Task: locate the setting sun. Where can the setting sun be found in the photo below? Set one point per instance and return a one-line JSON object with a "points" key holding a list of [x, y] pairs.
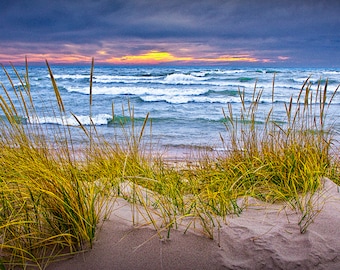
{"points": [[155, 57], [151, 57]]}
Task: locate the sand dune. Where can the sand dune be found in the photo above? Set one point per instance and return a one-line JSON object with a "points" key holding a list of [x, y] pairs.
{"points": [[264, 236]]}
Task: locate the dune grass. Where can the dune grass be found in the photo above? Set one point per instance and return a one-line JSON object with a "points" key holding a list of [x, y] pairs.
{"points": [[49, 204], [283, 161], [54, 197]]}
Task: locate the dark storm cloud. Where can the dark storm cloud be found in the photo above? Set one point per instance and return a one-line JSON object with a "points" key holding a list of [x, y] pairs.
{"points": [[293, 28]]}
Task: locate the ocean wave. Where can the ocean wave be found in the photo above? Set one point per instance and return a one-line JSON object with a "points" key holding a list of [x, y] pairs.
{"points": [[71, 76], [138, 91], [100, 119], [183, 99], [180, 78], [233, 92], [201, 73], [245, 79], [107, 120], [223, 78], [126, 79]]}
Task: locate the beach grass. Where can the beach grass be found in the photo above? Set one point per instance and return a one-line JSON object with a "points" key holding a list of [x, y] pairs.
{"points": [[53, 197], [283, 161]]}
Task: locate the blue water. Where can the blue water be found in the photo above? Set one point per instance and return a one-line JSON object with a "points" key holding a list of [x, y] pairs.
{"points": [[185, 103]]}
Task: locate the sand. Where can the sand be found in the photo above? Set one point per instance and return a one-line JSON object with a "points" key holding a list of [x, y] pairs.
{"points": [[264, 236]]}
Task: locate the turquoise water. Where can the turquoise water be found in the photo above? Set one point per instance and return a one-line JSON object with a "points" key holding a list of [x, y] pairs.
{"points": [[184, 103]]}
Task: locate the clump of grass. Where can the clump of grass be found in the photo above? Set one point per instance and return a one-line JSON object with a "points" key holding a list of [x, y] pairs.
{"points": [[281, 161], [138, 175], [49, 205]]}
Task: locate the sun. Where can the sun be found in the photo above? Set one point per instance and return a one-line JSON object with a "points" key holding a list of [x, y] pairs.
{"points": [[156, 57], [151, 57]]}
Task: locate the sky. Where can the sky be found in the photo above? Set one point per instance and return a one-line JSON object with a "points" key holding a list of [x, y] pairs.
{"points": [[288, 33]]}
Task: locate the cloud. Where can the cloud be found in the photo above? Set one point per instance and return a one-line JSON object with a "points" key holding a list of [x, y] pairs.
{"points": [[261, 29]]}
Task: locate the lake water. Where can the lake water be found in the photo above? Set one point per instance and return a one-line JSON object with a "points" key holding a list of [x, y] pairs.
{"points": [[184, 103]]}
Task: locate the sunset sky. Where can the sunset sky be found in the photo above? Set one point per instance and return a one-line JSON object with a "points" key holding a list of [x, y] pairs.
{"points": [[187, 32]]}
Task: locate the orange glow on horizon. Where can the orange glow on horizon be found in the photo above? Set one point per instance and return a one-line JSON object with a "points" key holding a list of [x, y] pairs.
{"points": [[154, 57], [151, 57], [231, 58], [50, 57]]}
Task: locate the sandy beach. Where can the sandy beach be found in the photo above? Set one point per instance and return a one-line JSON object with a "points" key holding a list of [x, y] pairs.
{"points": [[264, 236]]}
